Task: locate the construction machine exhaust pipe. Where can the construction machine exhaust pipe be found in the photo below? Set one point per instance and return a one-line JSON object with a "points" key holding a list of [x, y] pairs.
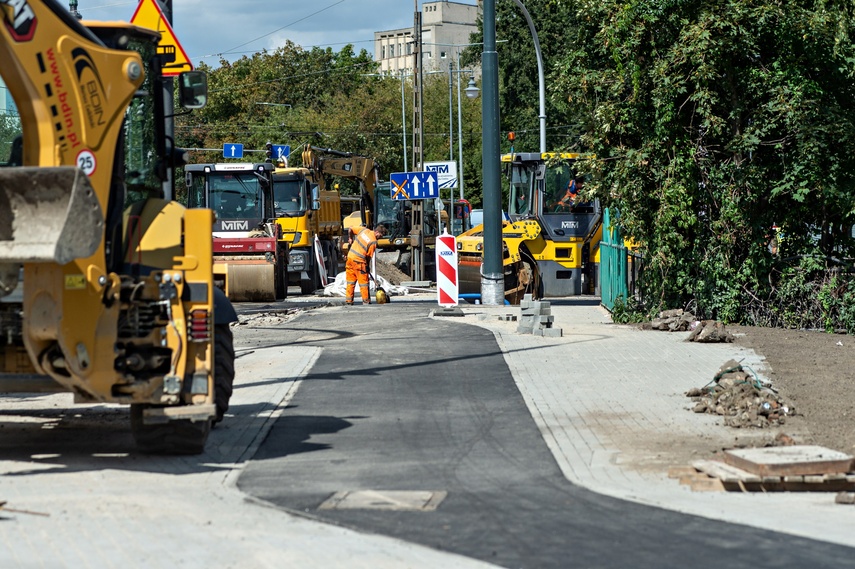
{"points": [[47, 215]]}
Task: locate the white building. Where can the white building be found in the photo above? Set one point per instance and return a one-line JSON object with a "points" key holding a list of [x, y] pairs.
{"points": [[445, 31], [7, 105]]}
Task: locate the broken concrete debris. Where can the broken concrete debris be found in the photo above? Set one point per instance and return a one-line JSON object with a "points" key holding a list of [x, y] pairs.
{"points": [[679, 320], [741, 398], [709, 331], [845, 498]]}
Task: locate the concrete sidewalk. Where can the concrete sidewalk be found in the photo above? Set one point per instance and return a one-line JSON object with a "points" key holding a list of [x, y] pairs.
{"points": [[609, 401]]}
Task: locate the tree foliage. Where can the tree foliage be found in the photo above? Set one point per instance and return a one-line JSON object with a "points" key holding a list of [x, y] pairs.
{"points": [[716, 120], [330, 100]]}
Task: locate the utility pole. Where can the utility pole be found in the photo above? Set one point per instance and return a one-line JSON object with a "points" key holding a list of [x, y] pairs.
{"points": [[168, 109], [417, 243], [492, 279]]}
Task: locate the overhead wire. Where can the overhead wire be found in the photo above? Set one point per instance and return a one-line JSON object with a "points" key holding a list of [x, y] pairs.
{"points": [[231, 50]]}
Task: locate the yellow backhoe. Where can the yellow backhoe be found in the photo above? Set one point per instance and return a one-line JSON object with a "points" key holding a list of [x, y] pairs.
{"points": [[107, 286]]}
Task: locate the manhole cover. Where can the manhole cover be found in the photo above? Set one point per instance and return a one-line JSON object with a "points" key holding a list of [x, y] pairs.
{"points": [[417, 500]]}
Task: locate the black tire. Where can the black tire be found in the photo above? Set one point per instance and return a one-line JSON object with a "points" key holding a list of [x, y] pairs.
{"points": [[224, 368], [175, 437], [332, 263], [281, 275], [310, 285]]}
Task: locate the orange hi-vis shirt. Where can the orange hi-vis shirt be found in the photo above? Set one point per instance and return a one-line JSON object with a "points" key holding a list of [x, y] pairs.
{"points": [[363, 246]]}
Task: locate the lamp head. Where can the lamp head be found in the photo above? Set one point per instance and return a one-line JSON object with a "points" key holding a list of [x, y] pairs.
{"points": [[471, 90]]}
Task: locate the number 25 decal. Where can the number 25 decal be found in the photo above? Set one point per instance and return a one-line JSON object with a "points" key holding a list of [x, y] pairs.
{"points": [[86, 162]]}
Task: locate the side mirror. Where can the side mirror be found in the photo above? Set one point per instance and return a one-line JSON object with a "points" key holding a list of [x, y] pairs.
{"points": [[540, 173], [193, 89], [316, 198]]}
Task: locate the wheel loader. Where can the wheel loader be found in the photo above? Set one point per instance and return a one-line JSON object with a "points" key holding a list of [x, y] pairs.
{"points": [[107, 285]]}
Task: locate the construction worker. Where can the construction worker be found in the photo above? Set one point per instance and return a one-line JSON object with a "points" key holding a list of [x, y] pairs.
{"points": [[570, 194], [362, 247]]}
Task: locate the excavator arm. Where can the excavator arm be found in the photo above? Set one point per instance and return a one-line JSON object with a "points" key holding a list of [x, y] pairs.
{"points": [[366, 171]]}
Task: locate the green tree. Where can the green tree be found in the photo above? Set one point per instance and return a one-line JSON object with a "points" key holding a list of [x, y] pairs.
{"points": [[713, 121]]}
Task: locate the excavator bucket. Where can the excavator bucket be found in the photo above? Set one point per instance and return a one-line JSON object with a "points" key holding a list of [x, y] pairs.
{"points": [[48, 215]]}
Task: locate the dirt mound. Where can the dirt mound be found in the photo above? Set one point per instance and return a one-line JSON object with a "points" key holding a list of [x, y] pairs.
{"points": [[391, 273]]}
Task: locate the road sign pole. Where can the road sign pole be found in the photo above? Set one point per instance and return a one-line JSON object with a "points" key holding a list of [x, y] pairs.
{"points": [[168, 108]]}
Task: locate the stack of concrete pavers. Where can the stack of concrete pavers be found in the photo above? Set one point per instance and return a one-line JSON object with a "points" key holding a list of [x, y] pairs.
{"points": [[536, 318]]}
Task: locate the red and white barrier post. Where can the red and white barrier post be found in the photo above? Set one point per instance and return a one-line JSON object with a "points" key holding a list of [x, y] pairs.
{"points": [[446, 270]]}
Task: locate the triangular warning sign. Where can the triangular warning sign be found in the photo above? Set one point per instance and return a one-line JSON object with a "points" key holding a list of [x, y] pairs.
{"points": [[149, 15]]}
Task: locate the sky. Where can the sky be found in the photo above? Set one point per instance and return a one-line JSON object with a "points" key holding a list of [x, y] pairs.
{"points": [[211, 29]]}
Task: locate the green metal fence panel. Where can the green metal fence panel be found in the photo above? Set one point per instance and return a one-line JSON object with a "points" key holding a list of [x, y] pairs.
{"points": [[613, 261]]}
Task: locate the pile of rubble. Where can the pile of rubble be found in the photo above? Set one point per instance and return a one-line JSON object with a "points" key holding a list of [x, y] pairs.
{"points": [[679, 320], [741, 398]]}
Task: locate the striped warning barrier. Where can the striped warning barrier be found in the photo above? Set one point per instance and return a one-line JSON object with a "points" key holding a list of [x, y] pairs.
{"points": [[446, 270]]}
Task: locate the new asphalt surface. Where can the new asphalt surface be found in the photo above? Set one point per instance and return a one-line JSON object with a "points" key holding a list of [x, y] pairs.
{"points": [[514, 431], [522, 451]]}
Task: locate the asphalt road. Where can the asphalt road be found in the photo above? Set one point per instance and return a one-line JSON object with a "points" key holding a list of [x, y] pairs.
{"points": [[398, 401]]}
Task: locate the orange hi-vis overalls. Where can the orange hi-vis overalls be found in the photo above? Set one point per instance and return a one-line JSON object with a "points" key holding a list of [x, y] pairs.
{"points": [[356, 267]]}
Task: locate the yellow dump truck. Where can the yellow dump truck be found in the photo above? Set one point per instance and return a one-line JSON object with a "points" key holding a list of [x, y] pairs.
{"points": [[309, 219]]}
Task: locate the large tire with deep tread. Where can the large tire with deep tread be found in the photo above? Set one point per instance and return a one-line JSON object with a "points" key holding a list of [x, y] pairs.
{"points": [[175, 437], [310, 285], [281, 279], [224, 368]]}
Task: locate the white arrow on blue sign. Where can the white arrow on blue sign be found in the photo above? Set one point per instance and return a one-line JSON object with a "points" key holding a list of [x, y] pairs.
{"points": [[414, 185], [281, 151], [232, 150]]}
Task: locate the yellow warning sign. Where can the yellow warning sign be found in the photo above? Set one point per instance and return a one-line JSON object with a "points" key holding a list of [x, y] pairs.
{"points": [[149, 15]]}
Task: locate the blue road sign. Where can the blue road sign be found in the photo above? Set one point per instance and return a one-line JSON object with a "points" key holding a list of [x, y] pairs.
{"points": [[414, 185], [232, 150], [281, 151]]}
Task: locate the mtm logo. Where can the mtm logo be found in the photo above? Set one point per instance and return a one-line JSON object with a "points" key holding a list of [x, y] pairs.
{"points": [[235, 225], [569, 225]]}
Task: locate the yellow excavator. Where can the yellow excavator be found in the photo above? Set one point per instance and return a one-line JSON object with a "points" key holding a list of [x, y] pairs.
{"points": [[376, 206], [107, 285]]}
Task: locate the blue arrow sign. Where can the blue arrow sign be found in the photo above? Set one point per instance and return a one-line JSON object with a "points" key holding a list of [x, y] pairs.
{"points": [[414, 185], [232, 150], [281, 151]]}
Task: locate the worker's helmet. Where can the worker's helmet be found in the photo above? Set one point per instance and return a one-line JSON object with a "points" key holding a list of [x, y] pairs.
{"points": [[382, 297]]}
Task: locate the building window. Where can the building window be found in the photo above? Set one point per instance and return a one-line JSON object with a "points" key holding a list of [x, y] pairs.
{"points": [[409, 49], [442, 55], [391, 50], [382, 52]]}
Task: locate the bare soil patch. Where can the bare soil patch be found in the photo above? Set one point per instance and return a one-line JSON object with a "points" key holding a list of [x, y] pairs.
{"points": [[816, 372]]}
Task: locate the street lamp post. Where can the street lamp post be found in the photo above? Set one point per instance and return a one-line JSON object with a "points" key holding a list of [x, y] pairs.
{"points": [[492, 279], [540, 80]]}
